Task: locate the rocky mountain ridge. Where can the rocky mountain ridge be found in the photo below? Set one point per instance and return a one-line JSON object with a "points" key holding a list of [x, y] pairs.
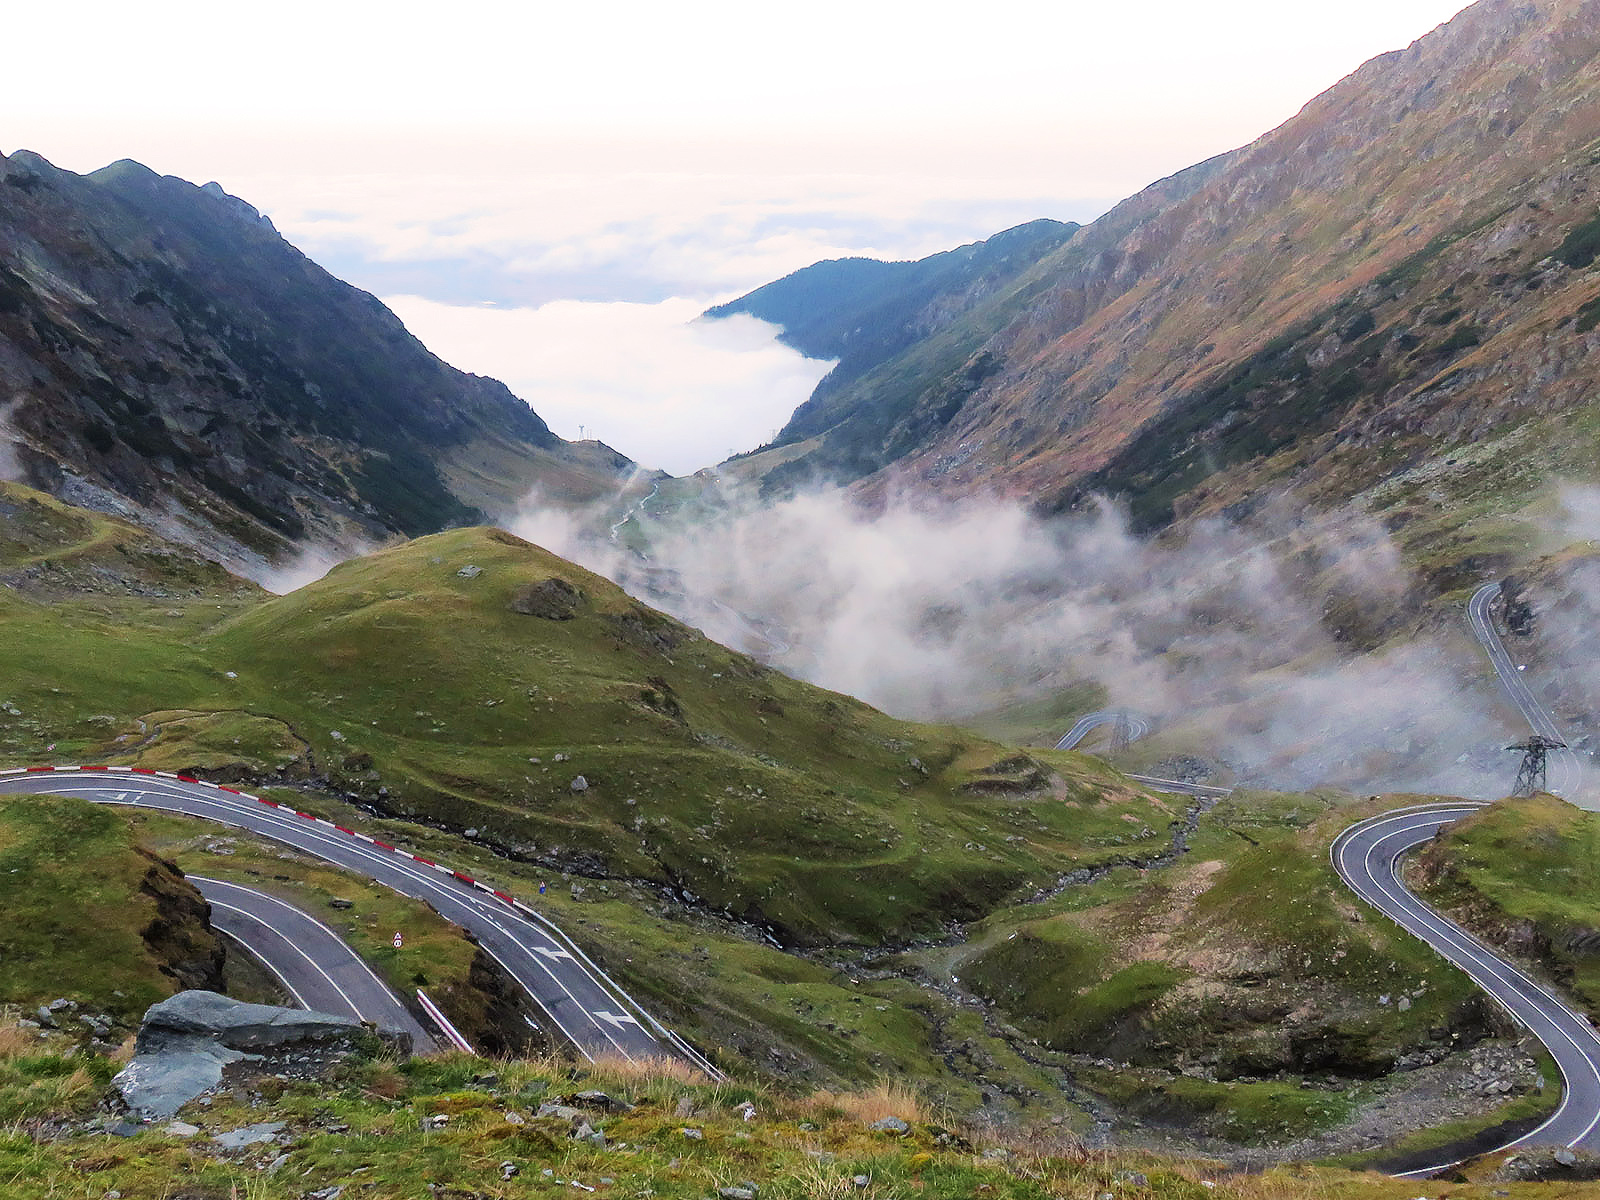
{"points": [[166, 355], [1391, 280]]}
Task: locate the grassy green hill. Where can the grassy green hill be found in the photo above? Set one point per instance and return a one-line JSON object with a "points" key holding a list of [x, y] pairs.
{"points": [[413, 671], [814, 890], [91, 916], [1525, 874]]}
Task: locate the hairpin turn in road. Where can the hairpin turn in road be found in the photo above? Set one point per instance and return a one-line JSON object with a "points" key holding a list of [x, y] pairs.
{"points": [[590, 1009]]}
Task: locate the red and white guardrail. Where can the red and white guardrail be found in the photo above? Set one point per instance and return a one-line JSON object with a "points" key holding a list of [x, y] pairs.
{"points": [[506, 898]]}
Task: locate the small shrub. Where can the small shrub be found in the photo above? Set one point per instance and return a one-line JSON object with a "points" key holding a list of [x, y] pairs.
{"points": [[1363, 324], [1581, 246], [1461, 338]]}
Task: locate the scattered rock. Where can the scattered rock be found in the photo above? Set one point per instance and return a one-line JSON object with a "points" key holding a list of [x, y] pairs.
{"points": [[470, 571], [250, 1135], [1541, 1164], [694, 1135], [553, 599], [580, 784], [182, 1129], [338, 902], [860, 1181], [563, 1112], [509, 1170], [892, 1125], [743, 1191], [187, 1040], [515, 1119], [600, 1100]]}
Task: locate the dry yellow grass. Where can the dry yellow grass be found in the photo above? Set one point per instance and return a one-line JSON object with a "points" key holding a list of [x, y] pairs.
{"points": [[14, 1042], [886, 1098], [649, 1070]]}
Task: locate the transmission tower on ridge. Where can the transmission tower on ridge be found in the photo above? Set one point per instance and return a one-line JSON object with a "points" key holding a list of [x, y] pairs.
{"points": [[1531, 775], [1121, 733]]}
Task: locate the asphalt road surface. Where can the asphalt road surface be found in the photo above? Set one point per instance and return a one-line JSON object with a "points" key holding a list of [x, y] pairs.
{"points": [[1367, 857], [1563, 767], [584, 1004], [315, 965], [1138, 726]]}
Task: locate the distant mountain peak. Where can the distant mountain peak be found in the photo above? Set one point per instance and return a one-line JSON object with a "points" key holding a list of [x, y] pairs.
{"points": [[164, 346]]}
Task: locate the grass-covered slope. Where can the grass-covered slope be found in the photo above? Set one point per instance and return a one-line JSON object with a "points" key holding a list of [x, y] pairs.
{"points": [[87, 914], [1242, 994], [1526, 874], [1018, 919], [785, 804], [470, 679], [467, 1128]]}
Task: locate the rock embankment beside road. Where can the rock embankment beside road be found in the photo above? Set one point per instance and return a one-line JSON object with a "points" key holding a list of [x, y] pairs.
{"points": [[188, 1042]]}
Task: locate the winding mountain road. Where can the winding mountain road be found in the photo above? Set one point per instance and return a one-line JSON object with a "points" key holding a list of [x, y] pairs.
{"points": [[1367, 857], [1565, 768], [1138, 726], [589, 1009], [315, 965]]}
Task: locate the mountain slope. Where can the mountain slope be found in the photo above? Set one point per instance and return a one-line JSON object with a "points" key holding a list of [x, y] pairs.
{"points": [[862, 311], [865, 313], [1384, 271], [165, 354]]}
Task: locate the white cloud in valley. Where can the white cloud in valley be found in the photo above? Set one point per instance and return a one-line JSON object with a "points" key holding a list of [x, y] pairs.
{"points": [[652, 380], [1241, 640]]}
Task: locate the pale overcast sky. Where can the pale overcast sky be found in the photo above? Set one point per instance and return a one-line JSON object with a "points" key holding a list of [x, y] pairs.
{"points": [[607, 171]]}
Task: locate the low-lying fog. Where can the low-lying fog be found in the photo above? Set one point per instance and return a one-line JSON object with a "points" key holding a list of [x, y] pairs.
{"points": [[1296, 652]]}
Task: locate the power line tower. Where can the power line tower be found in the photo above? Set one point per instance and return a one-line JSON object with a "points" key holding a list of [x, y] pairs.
{"points": [[1530, 776], [1121, 733]]}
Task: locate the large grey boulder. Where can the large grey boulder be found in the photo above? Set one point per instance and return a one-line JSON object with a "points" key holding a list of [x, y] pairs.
{"points": [[187, 1040]]}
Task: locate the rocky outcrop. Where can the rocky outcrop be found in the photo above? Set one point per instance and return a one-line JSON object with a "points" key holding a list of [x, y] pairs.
{"points": [[187, 1042], [553, 599], [180, 937]]}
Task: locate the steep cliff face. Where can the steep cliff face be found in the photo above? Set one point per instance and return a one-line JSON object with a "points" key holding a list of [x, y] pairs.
{"points": [[1401, 268], [179, 936], [164, 353]]}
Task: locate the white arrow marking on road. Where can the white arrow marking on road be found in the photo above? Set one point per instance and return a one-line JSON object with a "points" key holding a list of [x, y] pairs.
{"points": [[549, 953], [617, 1019]]}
